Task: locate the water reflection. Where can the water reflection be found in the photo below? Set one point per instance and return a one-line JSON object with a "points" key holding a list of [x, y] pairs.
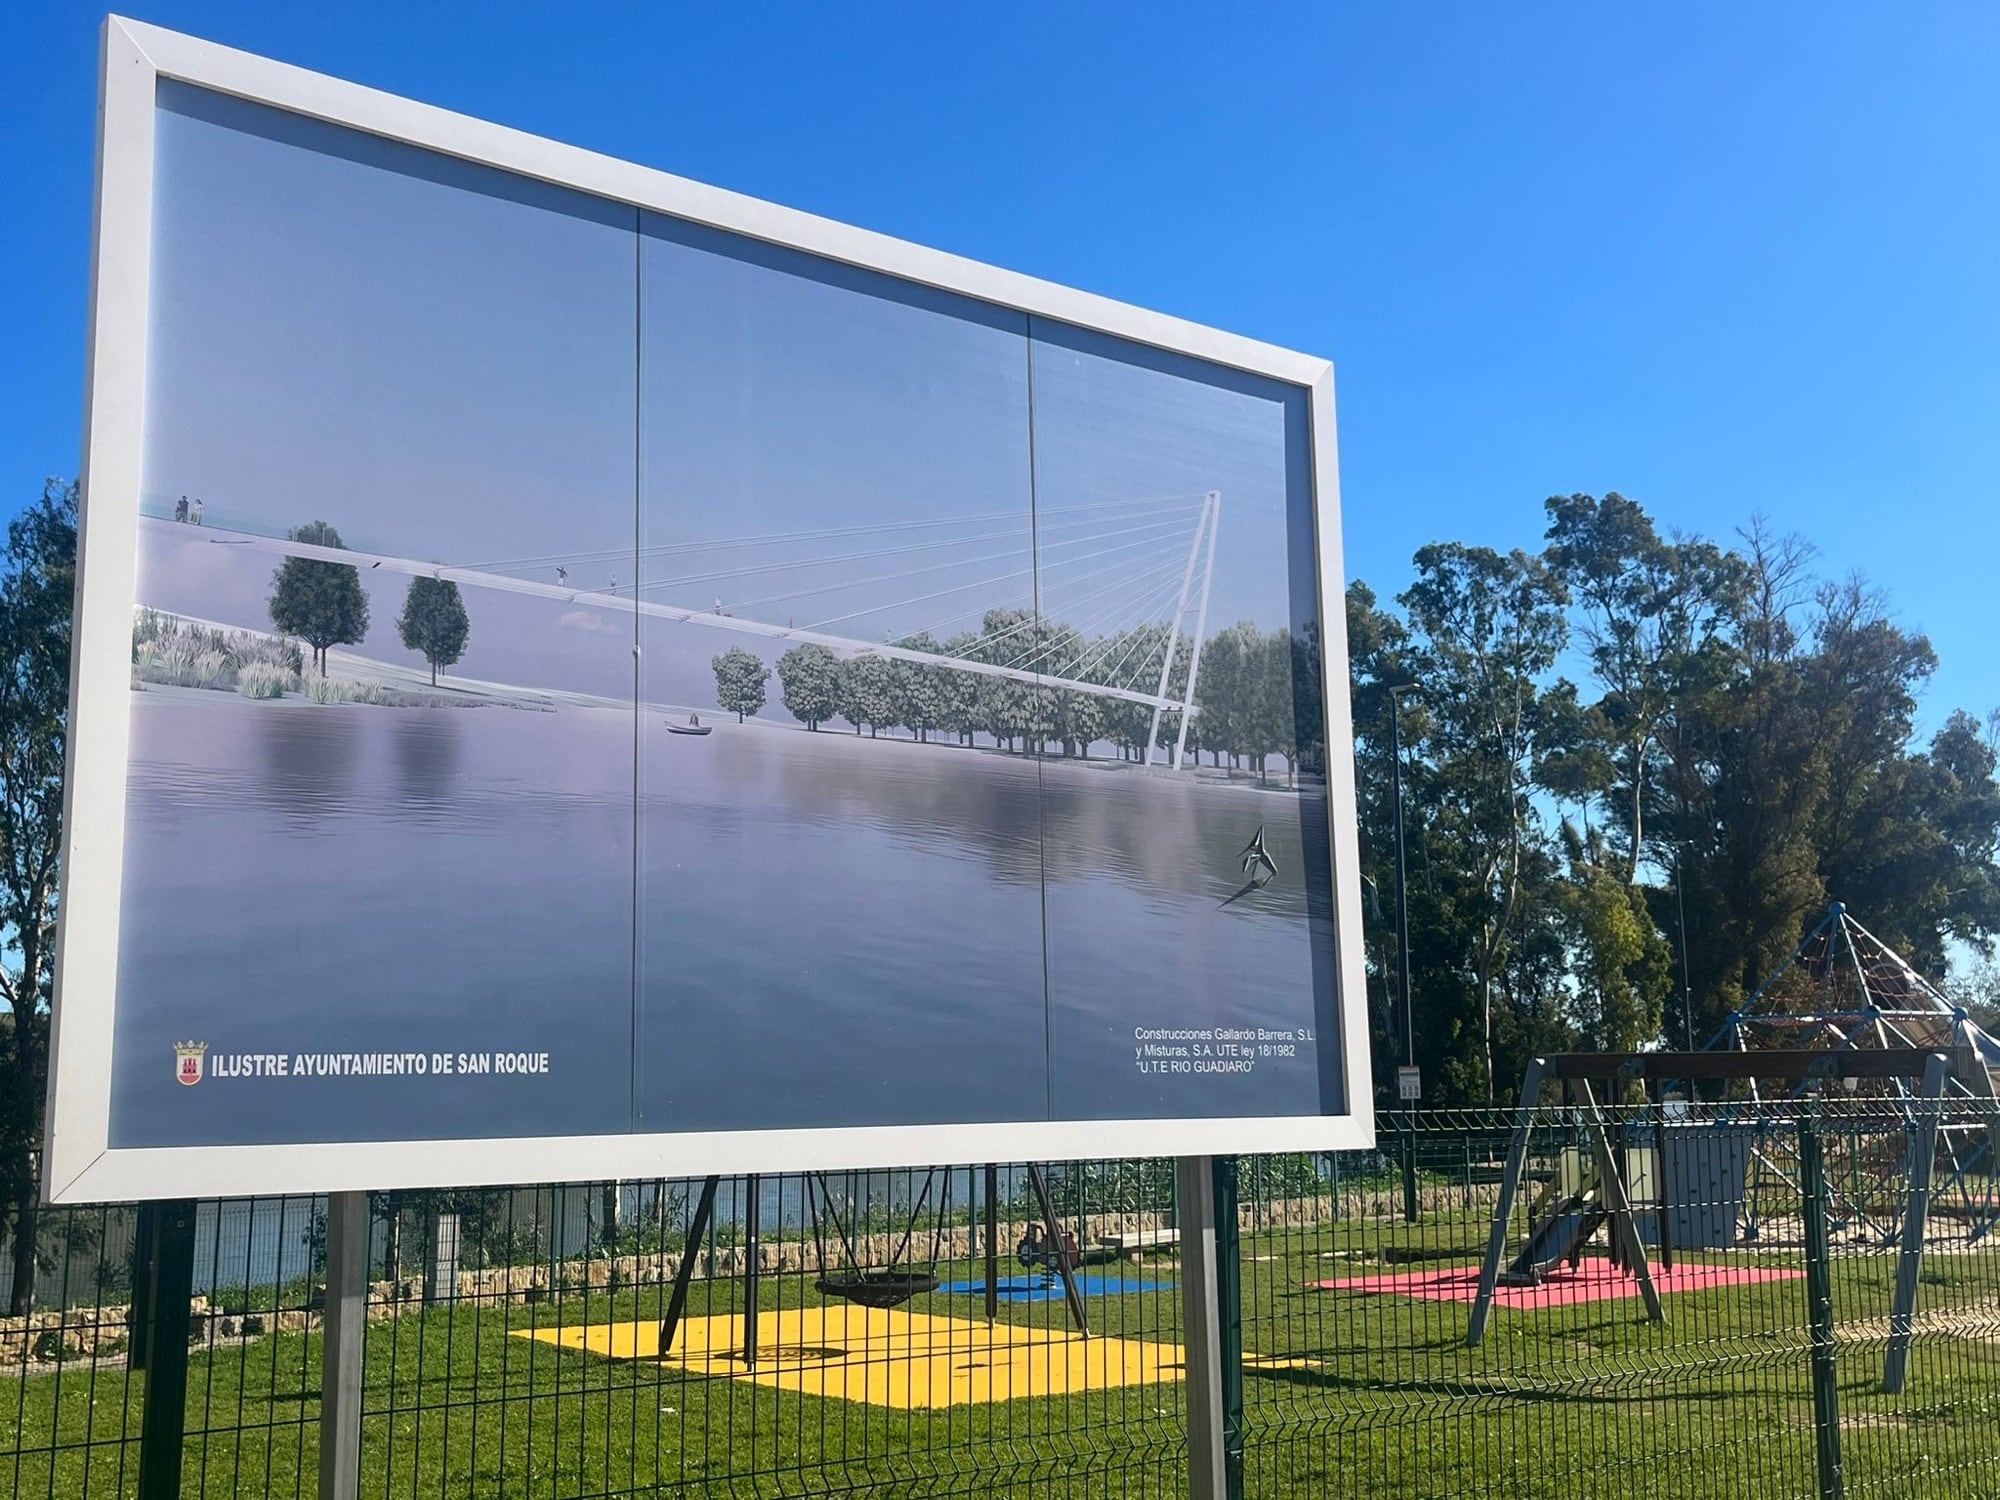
{"points": [[428, 757]]}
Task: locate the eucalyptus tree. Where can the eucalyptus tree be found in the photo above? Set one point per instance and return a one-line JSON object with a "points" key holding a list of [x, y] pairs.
{"points": [[1653, 617], [1486, 630]]}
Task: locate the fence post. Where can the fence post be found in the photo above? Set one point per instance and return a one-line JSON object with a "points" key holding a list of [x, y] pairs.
{"points": [[753, 1253], [992, 1241], [1229, 1319], [1819, 1306], [169, 1287], [1409, 1167], [1201, 1322], [342, 1327]]}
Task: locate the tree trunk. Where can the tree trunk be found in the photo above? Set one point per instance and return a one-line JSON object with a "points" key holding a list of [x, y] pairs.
{"points": [[434, 674], [27, 1232]]}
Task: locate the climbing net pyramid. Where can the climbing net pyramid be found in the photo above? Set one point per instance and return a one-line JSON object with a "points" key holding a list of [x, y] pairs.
{"points": [[1843, 987]]}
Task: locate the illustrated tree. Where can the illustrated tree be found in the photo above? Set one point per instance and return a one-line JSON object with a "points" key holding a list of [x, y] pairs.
{"points": [[433, 622], [921, 692], [868, 693], [1079, 720], [36, 577], [958, 691], [809, 683], [1218, 692], [320, 602], [740, 676]]}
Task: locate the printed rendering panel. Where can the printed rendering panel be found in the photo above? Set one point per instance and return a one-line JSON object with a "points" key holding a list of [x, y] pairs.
{"points": [[623, 679]]}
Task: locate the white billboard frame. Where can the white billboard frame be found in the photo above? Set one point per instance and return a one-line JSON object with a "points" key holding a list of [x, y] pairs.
{"points": [[80, 1164]]}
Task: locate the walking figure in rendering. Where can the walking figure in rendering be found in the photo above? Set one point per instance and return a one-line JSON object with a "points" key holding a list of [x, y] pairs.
{"points": [[194, 515], [562, 577], [181, 508]]}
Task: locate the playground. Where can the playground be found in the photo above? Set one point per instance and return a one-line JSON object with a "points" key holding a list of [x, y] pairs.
{"points": [[1356, 1374]]}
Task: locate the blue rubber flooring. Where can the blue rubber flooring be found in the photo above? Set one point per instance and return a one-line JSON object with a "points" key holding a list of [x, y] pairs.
{"points": [[1038, 1289]]}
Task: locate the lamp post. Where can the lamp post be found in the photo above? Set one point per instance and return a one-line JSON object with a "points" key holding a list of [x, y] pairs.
{"points": [[1402, 893], [1687, 987], [1403, 938]]}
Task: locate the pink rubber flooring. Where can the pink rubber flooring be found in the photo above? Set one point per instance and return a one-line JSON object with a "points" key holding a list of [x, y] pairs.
{"points": [[1593, 1281]]}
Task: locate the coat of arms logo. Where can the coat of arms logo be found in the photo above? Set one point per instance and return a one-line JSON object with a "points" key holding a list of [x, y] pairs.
{"points": [[187, 1061]]}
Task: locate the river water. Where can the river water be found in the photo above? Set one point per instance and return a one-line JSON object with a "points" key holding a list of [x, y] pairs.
{"points": [[759, 928]]}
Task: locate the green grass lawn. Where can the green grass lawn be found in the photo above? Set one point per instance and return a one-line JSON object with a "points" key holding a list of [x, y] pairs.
{"points": [[1560, 1402]]}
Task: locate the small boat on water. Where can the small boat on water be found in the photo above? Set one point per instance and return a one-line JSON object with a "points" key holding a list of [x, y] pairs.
{"points": [[693, 726]]}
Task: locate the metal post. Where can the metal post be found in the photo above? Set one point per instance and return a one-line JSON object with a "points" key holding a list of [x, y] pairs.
{"points": [[1916, 1216], [1072, 1294], [1409, 1167], [1201, 1320], [170, 1277], [1819, 1307], [684, 1273], [751, 1226], [992, 1242], [1687, 981], [1402, 882], [341, 1331], [1229, 1320], [1503, 1211]]}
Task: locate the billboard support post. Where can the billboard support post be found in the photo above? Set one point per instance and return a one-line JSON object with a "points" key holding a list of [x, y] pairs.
{"points": [[1201, 1324], [1229, 1318], [684, 1273], [169, 1287], [345, 1324], [1059, 1249]]}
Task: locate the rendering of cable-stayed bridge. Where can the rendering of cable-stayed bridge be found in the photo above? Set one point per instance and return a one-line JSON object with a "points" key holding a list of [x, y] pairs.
{"points": [[542, 591]]}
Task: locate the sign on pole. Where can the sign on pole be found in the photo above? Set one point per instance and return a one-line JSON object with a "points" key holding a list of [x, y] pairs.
{"points": [[583, 672], [1409, 1083]]}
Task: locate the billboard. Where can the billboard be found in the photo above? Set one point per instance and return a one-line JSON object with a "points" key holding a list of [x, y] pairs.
{"points": [[581, 673]]}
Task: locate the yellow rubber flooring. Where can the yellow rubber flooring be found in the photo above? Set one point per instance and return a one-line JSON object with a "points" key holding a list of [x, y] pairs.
{"points": [[888, 1357]]}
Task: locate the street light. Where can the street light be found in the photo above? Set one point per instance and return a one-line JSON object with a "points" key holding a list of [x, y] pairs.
{"points": [[1403, 937], [1687, 987], [1402, 892]]}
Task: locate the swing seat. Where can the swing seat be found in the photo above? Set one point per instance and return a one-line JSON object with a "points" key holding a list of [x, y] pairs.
{"points": [[884, 1288]]}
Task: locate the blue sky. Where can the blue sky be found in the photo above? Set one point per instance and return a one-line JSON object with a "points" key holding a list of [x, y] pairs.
{"points": [[1724, 259]]}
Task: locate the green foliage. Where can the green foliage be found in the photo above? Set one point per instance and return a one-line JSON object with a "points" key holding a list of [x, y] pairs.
{"points": [[320, 602], [809, 682], [740, 676], [37, 575], [867, 693], [1738, 746], [433, 622]]}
